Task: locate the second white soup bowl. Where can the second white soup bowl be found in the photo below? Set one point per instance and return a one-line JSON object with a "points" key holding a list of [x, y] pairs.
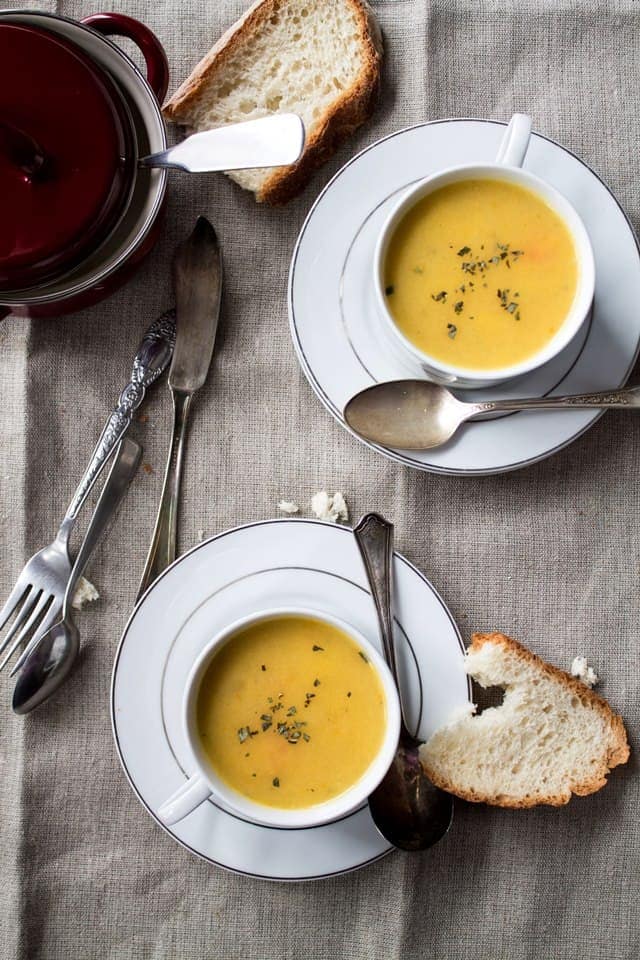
{"points": [[507, 168]]}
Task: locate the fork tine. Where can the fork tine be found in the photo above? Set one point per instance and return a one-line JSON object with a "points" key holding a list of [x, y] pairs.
{"points": [[52, 615], [16, 594], [23, 613], [35, 614]]}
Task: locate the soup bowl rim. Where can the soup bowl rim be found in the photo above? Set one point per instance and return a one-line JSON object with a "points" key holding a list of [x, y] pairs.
{"points": [[578, 312], [329, 810]]}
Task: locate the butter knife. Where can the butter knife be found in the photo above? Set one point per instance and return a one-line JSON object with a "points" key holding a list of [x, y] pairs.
{"points": [[197, 277]]}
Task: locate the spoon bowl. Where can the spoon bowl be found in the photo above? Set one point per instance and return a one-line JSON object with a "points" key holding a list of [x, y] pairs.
{"points": [[420, 415], [410, 414], [48, 666], [406, 807]]}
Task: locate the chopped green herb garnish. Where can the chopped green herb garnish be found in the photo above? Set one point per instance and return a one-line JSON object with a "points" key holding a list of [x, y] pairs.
{"points": [[389, 290], [464, 251], [507, 303], [315, 647], [263, 667], [276, 782], [364, 656], [452, 330], [316, 682], [440, 297], [457, 307]]}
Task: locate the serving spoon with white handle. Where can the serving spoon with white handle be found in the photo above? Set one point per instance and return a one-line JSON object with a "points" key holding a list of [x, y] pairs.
{"points": [[273, 141], [419, 415]]}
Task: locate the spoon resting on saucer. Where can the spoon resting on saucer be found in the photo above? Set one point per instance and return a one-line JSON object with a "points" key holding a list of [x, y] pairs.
{"points": [[419, 415], [408, 810]]}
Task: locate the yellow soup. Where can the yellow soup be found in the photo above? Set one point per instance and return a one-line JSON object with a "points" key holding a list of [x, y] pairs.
{"points": [[290, 712], [480, 274]]}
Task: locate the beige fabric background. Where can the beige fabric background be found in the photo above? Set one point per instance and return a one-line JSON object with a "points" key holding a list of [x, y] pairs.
{"points": [[550, 554]]}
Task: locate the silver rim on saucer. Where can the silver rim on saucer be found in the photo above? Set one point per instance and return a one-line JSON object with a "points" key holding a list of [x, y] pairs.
{"points": [[567, 376], [294, 555]]}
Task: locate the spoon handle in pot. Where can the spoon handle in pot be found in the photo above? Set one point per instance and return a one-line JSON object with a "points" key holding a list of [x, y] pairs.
{"points": [[374, 536]]}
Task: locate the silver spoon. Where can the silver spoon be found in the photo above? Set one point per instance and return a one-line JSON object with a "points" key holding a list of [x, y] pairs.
{"points": [[273, 141], [418, 415], [408, 810], [49, 664]]}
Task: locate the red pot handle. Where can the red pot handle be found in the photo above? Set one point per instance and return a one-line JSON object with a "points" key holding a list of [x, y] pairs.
{"points": [[119, 25]]}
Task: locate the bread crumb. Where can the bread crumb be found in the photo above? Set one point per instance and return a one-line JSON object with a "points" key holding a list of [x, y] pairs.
{"points": [[288, 506], [580, 668], [85, 593], [334, 509]]}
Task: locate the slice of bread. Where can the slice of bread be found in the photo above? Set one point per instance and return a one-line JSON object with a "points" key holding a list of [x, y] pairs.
{"points": [[318, 59], [551, 736]]}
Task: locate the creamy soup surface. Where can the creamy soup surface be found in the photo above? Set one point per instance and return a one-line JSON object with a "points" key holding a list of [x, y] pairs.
{"points": [[290, 712], [480, 274]]}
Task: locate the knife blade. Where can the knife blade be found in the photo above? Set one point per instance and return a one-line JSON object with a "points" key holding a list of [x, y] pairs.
{"points": [[197, 278], [197, 281]]}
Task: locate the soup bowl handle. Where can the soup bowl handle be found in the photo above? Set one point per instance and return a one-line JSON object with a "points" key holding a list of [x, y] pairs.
{"points": [[186, 798], [515, 142]]}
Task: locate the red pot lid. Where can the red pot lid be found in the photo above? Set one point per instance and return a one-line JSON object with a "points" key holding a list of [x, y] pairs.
{"points": [[64, 136]]}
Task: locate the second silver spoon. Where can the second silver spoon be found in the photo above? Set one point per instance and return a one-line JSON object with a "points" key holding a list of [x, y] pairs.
{"points": [[418, 415], [49, 664]]}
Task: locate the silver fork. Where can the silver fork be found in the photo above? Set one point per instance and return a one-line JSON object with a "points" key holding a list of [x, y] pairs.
{"points": [[36, 599]]}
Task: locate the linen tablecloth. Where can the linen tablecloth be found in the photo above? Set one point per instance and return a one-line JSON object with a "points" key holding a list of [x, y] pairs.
{"points": [[549, 554]]}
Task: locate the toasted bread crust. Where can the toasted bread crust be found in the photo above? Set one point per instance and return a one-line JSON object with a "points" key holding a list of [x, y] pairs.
{"points": [[618, 750], [345, 115]]}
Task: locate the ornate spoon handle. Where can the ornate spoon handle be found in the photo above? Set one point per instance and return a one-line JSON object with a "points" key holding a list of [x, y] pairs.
{"points": [[609, 399], [154, 353]]}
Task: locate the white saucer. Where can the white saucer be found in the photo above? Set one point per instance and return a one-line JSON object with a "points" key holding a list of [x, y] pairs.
{"points": [[338, 334], [269, 564]]}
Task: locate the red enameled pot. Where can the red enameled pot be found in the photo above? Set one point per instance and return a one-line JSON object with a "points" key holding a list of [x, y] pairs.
{"points": [[75, 114]]}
